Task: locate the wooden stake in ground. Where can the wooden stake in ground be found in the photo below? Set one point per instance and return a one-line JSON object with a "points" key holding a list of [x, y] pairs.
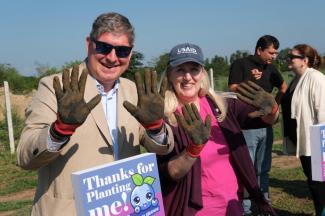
{"points": [[9, 118], [211, 78]]}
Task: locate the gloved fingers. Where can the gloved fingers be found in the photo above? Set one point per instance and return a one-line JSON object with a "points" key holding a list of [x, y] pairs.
{"points": [[245, 99], [66, 80], [244, 92], [208, 123], [74, 78], [186, 115], [181, 121], [267, 109], [248, 88], [57, 88], [130, 107], [270, 98], [138, 83], [154, 87], [256, 114], [82, 82], [93, 102], [147, 81], [196, 112], [254, 85], [163, 87], [190, 112]]}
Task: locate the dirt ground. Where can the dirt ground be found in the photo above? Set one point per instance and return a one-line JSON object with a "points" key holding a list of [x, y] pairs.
{"points": [[19, 196], [18, 103], [285, 162], [22, 195], [8, 213]]}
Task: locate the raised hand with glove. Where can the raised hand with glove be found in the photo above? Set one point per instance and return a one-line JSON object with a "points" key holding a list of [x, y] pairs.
{"points": [[72, 108], [253, 94], [150, 108], [193, 125]]}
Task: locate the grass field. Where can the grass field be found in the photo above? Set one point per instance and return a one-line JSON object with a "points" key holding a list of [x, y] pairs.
{"points": [[13, 182], [288, 189]]}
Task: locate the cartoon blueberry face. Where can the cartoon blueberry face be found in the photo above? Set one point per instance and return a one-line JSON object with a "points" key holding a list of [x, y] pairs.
{"points": [[136, 200], [149, 196], [142, 197]]}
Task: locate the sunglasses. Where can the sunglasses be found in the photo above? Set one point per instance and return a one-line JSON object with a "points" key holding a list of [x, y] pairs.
{"points": [[292, 56], [106, 48]]}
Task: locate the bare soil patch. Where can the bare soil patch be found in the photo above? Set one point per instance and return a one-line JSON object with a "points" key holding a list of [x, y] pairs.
{"points": [[18, 103], [285, 162], [7, 213], [19, 196]]}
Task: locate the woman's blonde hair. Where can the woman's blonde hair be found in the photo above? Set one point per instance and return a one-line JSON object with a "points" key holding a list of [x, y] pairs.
{"points": [[171, 101]]}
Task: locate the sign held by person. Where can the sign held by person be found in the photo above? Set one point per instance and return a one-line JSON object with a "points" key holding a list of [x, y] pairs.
{"points": [[317, 140], [129, 186]]}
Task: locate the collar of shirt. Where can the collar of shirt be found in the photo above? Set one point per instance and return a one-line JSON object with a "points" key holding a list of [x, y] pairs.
{"points": [[111, 92], [257, 60]]}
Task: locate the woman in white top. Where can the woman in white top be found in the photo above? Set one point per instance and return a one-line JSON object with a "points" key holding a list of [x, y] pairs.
{"points": [[303, 105]]}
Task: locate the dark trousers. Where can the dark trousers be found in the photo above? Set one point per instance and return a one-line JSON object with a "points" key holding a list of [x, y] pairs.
{"points": [[316, 188]]}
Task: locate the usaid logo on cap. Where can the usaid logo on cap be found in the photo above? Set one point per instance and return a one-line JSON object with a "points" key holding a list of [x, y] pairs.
{"points": [[183, 50]]}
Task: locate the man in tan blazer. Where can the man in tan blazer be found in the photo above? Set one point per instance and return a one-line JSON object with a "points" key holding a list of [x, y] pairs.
{"points": [[91, 120]]}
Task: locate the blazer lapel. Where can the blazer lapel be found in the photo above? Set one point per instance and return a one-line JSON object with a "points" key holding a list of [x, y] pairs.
{"points": [[121, 117], [97, 113]]}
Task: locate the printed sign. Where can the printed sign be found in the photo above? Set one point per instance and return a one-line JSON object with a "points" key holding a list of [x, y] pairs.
{"points": [[317, 143], [126, 187]]}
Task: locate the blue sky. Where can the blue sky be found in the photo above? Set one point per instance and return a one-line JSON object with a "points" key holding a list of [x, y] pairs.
{"points": [[53, 32]]}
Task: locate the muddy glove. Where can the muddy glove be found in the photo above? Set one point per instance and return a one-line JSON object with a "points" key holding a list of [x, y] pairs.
{"points": [[194, 127], [72, 108], [150, 108], [253, 94]]}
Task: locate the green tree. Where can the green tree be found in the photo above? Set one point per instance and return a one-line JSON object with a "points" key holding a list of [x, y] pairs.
{"points": [[219, 65], [281, 60], [160, 64], [5, 69], [322, 68], [45, 70], [207, 63], [238, 55], [134, 66], [18, 125], [71, 64], [17, 83]]}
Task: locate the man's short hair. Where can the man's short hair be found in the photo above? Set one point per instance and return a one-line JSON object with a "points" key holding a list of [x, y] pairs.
{"points": [[266, 41], [114, 23]]}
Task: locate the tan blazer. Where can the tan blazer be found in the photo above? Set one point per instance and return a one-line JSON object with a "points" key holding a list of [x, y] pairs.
{"points": [[89, 146]]}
